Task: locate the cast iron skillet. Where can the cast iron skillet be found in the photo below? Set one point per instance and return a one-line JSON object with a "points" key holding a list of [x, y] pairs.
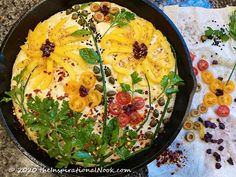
{"points": [[142, 8]]}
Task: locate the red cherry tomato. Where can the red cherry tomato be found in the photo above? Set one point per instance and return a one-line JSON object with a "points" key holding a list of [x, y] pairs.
{"points": [[115, 108], [123, 120], [138, 103], [195, 71], [135, 118], [192, 56], [123, 98], [223, 111], [202, 65]]}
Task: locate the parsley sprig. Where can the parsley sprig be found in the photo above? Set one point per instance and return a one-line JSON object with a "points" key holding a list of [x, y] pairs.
{"points": [[121, 19], [218, 34], [17, 93], [135, 80]]}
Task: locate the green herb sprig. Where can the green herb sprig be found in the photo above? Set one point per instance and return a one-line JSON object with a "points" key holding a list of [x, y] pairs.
{"points": [[150, 105], [219, 34], [135, 80], [17, 93], [121, 19], [232, 25]]}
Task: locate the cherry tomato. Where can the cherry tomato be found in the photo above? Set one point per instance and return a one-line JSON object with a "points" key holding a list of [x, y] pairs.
{"points": [[225, 99], [94, 98], [202, 65], [123, 120], [207, 77], [216, 84], [88, 79], [115, 108], [72, 88], [77, 104], [135, 118], [123, 98], [223, 111], [138, 103], [229, 88], [192, 56], [195, 71], [210, 99]]}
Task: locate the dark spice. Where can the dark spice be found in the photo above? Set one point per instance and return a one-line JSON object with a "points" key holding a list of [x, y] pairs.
{"points": [[220, 141], [220, 78], [208, 151], [221, 148], [218, 166], [128, 109], [217, 156], [140, 51], [219, 92], [47, 48], [230, 161], [215, 62], [171, 157], [105, 10], [200, 119], [83, 91], [221, 126]]}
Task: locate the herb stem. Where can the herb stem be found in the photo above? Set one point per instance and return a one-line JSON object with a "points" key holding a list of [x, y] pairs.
{"points": [[231, 74], [161, 119], [103, 79], [150, 104]]}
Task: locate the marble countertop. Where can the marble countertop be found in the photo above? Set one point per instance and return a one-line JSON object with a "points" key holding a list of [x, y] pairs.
{"points": [[12, 159]]}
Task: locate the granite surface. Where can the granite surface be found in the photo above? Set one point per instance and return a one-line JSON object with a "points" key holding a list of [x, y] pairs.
{"points": [[11, 159]]}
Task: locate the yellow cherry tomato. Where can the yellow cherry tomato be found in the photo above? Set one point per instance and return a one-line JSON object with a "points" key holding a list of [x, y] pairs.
{"points": [[210, 99], [207, 77], [216, 84], [225, 99], [72, 88], [77, 104], [87, 79], [229, 88], [94, 98]]}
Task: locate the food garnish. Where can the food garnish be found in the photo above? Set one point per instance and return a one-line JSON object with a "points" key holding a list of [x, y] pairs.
{"points": [[78, 104]]}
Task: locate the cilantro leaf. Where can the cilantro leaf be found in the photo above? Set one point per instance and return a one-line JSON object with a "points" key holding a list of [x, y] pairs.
{"points": [[125, 87], [81, 32], [135, 78], [220, 34], [89, 55]]}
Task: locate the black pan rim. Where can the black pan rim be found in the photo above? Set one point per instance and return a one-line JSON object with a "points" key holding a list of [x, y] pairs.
{"points": [[146, 161]]}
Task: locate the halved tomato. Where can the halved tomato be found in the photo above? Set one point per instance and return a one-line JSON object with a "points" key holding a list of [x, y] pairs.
{"points": [[195, 71], [77, 103], [223, 111], [123, 120], [202, 65], [135, 118], [138, 103], [88, 79], [192, 56], [123, 98], [115, 108]]}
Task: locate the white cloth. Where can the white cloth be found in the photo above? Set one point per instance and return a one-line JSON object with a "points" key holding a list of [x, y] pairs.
{"points": [[192, 22]]}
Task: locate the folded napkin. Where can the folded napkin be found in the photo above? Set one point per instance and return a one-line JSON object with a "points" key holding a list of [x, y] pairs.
{"points": [[193, 159]]}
